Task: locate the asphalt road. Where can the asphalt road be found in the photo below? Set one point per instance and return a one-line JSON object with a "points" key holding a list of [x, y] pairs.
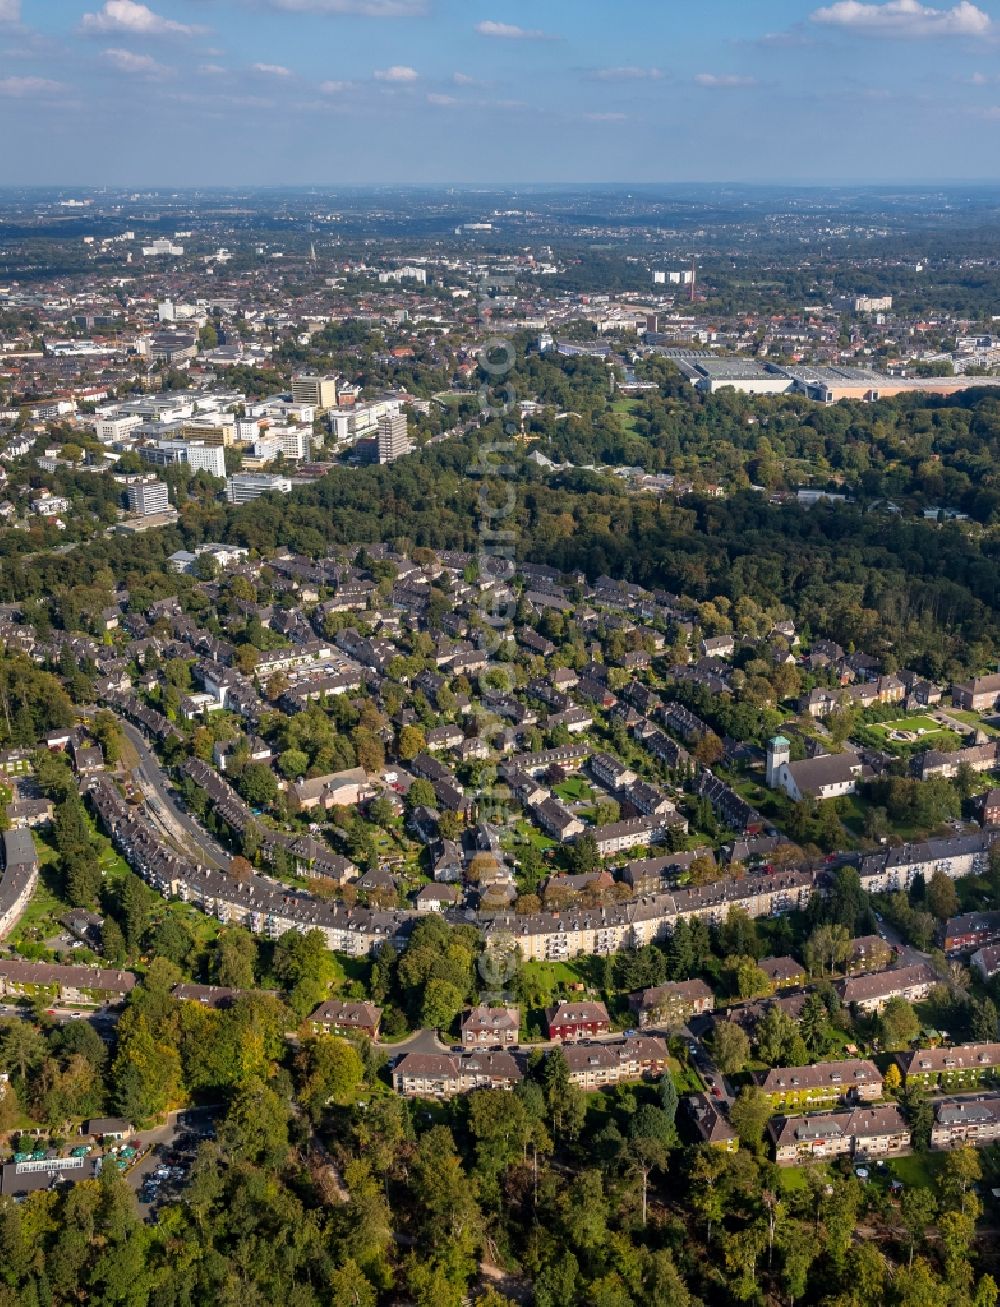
{"points": [[171, 813]]}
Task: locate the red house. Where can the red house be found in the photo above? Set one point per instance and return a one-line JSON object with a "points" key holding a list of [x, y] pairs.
{"points": [[570, 1021]]}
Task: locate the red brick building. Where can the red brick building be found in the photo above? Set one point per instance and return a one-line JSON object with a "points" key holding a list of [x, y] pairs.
{"points": [[571, 1021]]}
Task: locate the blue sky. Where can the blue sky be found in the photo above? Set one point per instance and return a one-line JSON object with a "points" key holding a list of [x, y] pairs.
{"points": [[176, 92]]}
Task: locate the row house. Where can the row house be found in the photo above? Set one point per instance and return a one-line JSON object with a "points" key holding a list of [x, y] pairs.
{"points": [[971, 930], [611, 772], [683, 722], [557, 820], [258, 903], [963, 1066], [628, 834], [64, 984], [871, 992], [317, 689], [594, 1066], [648, 801], [962, 1121], [666, 749], [569, 757], [20, 876], [893, 869], [798, 1085], [550, 937], [442, 1075], [979, 757], [729, 806], [862, 1134]]}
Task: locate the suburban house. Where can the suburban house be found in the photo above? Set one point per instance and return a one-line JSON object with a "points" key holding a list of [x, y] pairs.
{"points": [[862, 1133], [572, 1021], [336, 1017], [711, 1124], [783, 973], [799, 1085], [486, 1027], [986, 961], [868, 953], [871, 992], [671, 1004], [979, 695], [437, 897], [991, 808], [344, 789]]}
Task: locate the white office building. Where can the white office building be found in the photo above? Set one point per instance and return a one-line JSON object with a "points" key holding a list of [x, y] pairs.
{"points": [[393, 441], [244, 487], [198, 456], [146, 496]]}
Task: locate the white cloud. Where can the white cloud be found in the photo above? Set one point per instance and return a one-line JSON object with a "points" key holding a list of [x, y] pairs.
{"points": [[134, 19], [334, 88], [793, 39], [606, 117], [367, 8], [397, 73], [212, 70], [719, 80], [271, 70], [627, 73], [10, 11], [463, 79], [21, 88], [510, 32], [442, 101], [908, 18], [139, 65]]}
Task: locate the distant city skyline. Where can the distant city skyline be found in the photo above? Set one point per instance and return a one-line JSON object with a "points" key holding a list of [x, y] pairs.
{"points": [[359, 92]]}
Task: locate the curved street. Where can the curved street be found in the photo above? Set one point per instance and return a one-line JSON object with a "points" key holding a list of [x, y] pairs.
{"points": [[181, 825]]}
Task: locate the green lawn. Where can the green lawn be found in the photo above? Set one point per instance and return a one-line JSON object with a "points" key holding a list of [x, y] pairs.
{"points": [[527, 834], [574, 790], [971, 719], [625, 410], [916, 1169], [927, 731], [793, 1178], [685, 1077]]}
